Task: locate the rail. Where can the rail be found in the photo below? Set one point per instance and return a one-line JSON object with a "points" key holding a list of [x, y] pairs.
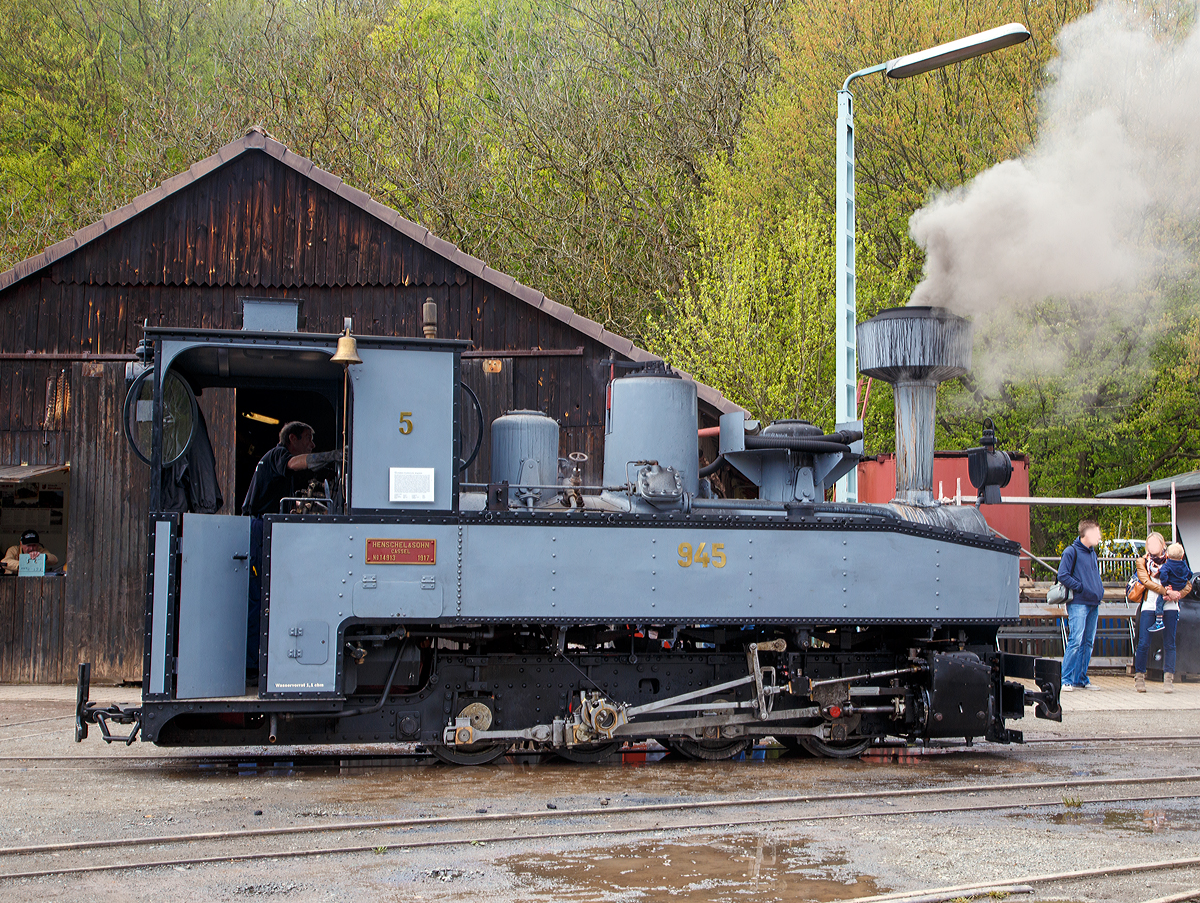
{"points": [[1148, 502]]}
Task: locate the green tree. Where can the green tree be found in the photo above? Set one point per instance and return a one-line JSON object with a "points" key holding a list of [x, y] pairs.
{"points": [[755, 319], [1117, 410], [55, 105]]}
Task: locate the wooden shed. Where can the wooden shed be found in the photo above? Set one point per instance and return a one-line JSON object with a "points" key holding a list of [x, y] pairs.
{"points": [[253, 221]]}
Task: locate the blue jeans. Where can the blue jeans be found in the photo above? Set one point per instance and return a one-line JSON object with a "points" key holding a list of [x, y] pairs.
{"points": [[1171, 621], [1082, 620]]}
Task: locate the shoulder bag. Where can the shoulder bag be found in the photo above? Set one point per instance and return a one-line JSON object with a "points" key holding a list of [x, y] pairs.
{"points": [[1058, 594], [1135, 590]]}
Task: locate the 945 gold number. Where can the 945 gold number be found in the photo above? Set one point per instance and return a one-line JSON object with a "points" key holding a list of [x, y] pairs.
{"points": [[688, 557]]}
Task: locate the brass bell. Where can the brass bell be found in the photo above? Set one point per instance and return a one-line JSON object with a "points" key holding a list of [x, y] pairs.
{"points": [[347, 348]]}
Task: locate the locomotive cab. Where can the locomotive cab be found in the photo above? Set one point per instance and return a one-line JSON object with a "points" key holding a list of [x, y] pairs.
{"points": [[394, 417]]}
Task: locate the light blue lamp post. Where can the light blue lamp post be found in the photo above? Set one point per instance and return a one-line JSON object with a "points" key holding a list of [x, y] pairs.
{"points": [[846, 366]]}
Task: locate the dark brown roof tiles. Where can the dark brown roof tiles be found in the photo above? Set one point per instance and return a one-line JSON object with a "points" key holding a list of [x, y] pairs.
{"points": [[589, 328], [500, 280], [618, 343], [472, 265], [177, 181], [61, 248], [324, 179], [440, 246], [147, 199], [201, 168], [274, 148], [87, 233], [354, 195], [556, 310]]}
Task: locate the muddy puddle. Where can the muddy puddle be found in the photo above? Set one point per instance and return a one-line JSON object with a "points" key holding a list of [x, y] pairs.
{"points": [[1141, 821], [1151, 820], [746, 870]]}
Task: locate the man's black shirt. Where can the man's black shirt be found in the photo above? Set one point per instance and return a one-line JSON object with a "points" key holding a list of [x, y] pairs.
{"points": [[272, 482]]}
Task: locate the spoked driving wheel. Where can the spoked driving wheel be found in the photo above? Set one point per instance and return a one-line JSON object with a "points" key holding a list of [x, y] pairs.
{"points": [[590, 752], [839, 749], [480, 713], [795, 746], [709, 750], [475, 754]]}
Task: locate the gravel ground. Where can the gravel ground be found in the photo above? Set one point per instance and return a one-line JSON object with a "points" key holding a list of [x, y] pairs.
{"points": [[109, 792]]}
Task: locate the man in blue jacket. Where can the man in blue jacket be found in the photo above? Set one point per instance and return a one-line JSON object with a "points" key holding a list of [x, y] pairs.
{"points": [[1079, 571]]}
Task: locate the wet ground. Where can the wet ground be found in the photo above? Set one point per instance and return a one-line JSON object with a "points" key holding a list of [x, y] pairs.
{"points": [[808, 848], [734, 869]]}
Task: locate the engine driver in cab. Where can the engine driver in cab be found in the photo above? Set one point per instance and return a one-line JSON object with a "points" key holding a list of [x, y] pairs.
{"points": [[276, 476]]}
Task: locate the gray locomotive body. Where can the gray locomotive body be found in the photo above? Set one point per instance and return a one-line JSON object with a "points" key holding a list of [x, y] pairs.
{"points": [[536, 610]]}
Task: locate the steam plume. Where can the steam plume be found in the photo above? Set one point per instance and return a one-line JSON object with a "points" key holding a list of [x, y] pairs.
{"points": [[1097, 208]]}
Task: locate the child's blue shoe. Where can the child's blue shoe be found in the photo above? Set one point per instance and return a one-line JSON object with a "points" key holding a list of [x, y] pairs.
{"points": [[1157, 625]]}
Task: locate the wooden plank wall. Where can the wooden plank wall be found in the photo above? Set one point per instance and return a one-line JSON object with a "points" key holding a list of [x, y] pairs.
{"points": [[106, 538], [34, 401], [571, 389], [219, 408], [35, 404], [32, 617], [257, 223], [495, 392]]}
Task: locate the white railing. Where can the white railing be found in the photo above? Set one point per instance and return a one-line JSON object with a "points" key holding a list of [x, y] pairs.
{"points": [[1113, 568]]}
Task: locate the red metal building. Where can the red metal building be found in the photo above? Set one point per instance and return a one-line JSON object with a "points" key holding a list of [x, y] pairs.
{"points": [[877, 485]]}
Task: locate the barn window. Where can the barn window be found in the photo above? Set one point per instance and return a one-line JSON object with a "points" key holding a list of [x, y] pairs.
{"points": [[34, 497]]}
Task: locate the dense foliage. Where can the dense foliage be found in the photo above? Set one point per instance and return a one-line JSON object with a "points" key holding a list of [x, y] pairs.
{"points": [[664, 166]]}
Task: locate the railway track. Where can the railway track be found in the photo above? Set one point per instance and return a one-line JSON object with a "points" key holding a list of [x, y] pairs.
{"points": [[1021, 884], [479, 828], [416, 755]]}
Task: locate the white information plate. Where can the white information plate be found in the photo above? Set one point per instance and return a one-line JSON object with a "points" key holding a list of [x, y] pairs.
{"points": [[410, 484], [28, 566]]}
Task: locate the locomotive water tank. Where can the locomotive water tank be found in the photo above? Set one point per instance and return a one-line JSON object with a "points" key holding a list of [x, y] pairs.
{"points": [[653, 418], [525, 454]]}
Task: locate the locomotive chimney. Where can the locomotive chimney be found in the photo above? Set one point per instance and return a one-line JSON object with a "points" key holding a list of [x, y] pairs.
{"points": [[914, 349]]}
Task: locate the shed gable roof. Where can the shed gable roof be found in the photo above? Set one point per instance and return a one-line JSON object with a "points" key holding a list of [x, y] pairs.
{"points": [[256, 141], [1187, 487]]}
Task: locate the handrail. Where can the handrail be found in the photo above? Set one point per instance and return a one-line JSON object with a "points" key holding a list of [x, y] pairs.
{"points": [[305, 498]]}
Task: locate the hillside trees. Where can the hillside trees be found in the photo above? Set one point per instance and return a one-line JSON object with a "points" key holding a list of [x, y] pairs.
{"points": [[562, 143], [663, 166], [913, 137], [54, 109], [755, 315], [1095, 402]]}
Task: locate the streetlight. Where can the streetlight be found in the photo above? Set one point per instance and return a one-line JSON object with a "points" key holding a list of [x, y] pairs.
{"points": [[846, 363]]}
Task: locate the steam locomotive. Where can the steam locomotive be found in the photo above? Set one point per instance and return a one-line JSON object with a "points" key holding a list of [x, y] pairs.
{"points": [[404, 605]]}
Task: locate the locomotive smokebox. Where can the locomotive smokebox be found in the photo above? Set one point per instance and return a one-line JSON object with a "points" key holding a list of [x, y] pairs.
{"points": [[914, 349]]}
